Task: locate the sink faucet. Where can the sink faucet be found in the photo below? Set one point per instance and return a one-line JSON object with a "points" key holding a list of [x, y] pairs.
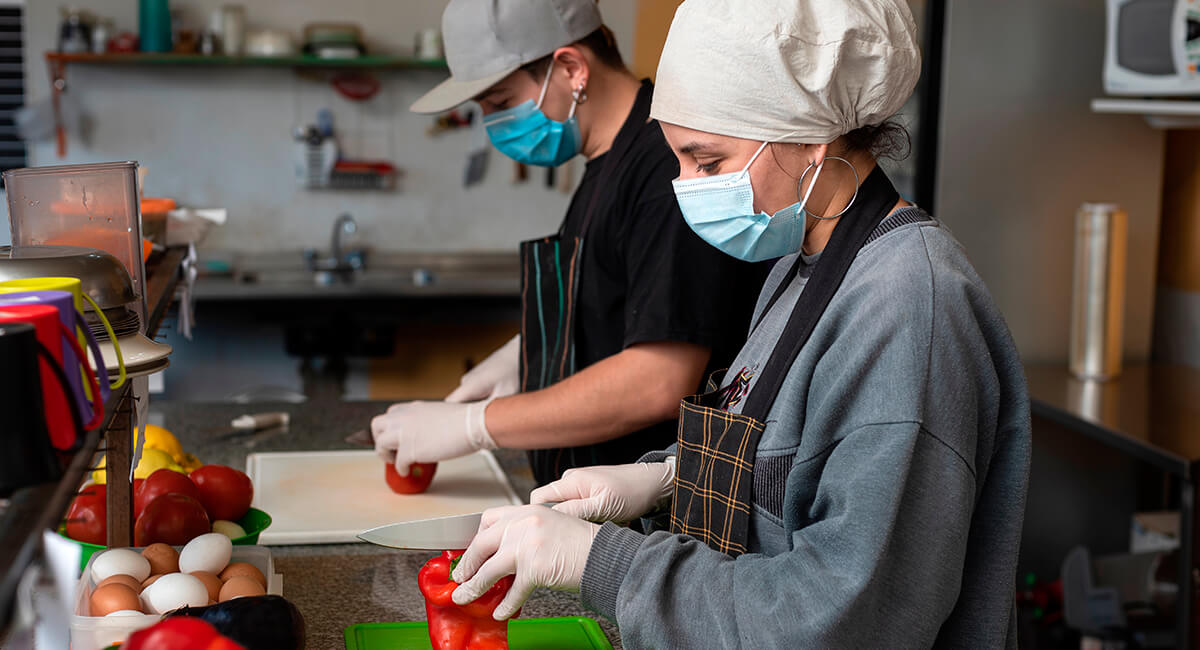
{"points": [[343, 224], [340, 262]]}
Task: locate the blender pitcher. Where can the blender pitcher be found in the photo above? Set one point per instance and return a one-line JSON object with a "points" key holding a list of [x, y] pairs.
{"points": [[92, 205]]}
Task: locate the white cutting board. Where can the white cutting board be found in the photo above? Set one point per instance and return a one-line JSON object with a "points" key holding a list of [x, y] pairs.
{"points": [[328, 497]]}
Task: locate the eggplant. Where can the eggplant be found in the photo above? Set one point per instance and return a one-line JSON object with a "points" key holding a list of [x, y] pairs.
{"points": [[257, 622]]}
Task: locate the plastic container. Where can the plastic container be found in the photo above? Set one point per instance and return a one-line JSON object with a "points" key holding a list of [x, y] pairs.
{"points": [[254, 523], [81, 205], [98, 632]]}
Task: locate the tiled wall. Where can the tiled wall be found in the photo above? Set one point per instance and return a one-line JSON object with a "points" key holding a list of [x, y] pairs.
{"points": [[222, 136]]}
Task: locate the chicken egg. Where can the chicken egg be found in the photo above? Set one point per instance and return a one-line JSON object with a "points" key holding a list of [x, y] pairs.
{"points": [[244, 569], [120, 560], [123, 579], [211, 582], [239, 586], [175, 590], [228, 528], [149, 581], [111, 598], [124, 612], [162, 558], [209, 552]]}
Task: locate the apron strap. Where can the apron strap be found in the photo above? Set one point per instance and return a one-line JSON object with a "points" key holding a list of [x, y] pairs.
{"points": [[876, 197]]}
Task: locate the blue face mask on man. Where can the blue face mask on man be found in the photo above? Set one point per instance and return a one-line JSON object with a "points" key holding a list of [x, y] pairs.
{"points": [[720, 209], [526, 135]]}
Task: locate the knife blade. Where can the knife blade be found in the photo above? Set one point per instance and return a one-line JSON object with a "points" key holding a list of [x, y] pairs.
{"points": [[434, 534]]}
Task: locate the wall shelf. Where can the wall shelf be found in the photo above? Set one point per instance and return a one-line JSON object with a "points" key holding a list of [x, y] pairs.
{"points": [[197, 60], [1159, 113], [58, 62]]}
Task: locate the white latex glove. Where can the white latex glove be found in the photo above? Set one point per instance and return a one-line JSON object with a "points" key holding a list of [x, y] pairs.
{"points": [[610, 492], [495, 376], [428, 432], [542, 548]]}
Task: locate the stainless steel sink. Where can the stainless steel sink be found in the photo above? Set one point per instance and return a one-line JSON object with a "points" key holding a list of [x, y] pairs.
{"points": [[290, 273]]}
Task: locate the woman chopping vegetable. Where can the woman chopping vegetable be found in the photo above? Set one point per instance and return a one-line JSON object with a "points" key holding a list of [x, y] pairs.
{"points": [[858, 477]]}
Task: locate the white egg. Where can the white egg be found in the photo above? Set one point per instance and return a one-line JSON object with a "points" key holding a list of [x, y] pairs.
{"points": [[120, 561], [173, 591], [209, 552], [229, 529], [124, 612]]}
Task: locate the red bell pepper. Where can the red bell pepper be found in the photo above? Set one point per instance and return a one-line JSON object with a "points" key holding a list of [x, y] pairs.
{"points": [[181, 633], [461, 627]]}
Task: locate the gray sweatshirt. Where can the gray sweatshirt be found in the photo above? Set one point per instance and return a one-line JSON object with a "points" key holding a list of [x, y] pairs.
{"points": [[889, 483]]}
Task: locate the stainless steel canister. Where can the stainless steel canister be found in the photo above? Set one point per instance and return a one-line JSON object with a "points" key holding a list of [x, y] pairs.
{"points": [[1098, 292]]}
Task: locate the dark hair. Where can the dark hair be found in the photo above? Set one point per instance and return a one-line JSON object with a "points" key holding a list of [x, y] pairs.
{"points": [[888, 139], [601, 42]]}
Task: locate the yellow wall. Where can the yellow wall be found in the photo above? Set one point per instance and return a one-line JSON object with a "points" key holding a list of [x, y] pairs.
{"points": [[653, 19]]}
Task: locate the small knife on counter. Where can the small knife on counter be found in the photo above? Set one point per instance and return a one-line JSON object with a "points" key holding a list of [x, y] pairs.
{"points": [[436, 534]]}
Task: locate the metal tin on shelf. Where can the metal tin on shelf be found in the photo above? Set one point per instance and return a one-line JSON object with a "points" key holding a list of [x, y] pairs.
{"points": [[1098, 291]]}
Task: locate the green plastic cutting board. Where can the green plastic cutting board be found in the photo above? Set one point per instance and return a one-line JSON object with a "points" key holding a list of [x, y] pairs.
{"points": [[566, 633]]}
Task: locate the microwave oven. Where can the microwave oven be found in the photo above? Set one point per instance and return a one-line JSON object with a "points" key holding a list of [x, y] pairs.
{"points": [[1152, 47]]}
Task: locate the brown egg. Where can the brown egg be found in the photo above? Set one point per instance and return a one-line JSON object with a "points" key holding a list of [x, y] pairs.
{"points": [[122, 579], [149, 581], [244, 569], [162, 558], [211, 582], [239, 586], [113, 597]]}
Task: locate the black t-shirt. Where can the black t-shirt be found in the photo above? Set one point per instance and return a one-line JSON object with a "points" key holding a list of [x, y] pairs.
{"points": [[646, 277]]}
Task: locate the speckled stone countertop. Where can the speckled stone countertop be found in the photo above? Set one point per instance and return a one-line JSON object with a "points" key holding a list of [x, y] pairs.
{"points": [[337, 585]]}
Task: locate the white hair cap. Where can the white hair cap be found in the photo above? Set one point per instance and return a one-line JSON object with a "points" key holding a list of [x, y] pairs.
{"points": [[804, 71]]}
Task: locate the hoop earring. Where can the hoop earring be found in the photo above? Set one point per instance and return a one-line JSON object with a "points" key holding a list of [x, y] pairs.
{"points": [[857, 181]]}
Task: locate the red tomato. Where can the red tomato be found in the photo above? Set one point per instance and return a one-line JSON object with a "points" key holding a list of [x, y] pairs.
{"points": [[225, 492], [159, 483], [171, 519], [420, 475], [86, 517]]}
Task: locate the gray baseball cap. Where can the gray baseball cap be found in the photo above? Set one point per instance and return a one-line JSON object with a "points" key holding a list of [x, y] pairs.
{"points": [[487, 40]]}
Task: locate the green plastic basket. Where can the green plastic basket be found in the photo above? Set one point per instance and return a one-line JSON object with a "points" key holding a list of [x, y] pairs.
{"points": [[254, 523]]}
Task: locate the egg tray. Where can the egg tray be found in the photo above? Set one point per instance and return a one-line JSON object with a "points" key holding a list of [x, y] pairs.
{"points": [[99, 632]]}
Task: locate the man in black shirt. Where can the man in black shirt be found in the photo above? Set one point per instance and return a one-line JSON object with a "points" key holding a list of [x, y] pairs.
{"points": [[625, 308]]}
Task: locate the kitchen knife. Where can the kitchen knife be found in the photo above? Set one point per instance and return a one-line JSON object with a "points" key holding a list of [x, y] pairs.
{"points": [[436, 534]]}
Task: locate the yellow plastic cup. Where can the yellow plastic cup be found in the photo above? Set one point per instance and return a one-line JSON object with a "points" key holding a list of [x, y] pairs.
{"points": [[75, 288]]}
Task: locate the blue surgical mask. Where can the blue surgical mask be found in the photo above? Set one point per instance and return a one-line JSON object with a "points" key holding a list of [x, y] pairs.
{"points": [[720, 209], [526, 135]]}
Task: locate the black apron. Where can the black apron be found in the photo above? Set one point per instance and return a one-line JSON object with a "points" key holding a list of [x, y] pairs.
{"points": [[550, 269], [714, 464]]}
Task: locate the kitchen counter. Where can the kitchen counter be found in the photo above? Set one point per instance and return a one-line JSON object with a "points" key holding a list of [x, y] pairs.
{"points": [[337, 585]]}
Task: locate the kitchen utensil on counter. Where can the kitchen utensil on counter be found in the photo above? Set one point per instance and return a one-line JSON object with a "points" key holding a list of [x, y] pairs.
{"points": [[26, 455], [83, 205], [73, 286], [561, 633], [65, 411], [328, 497], [1098, 292]]}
